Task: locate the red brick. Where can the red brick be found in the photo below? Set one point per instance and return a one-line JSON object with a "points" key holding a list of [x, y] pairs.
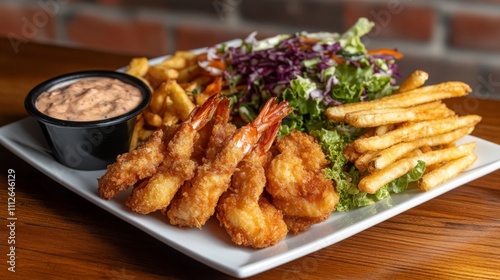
{"points": [[191, 36], [192, 6], [130, 36], [110, 2], [439, 69], [475, 31], [305, 15], [30, 23], [483, 1], [393, 19]]}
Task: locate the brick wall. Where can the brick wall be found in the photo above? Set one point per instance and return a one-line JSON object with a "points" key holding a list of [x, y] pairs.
{"points": [[452, 40]]}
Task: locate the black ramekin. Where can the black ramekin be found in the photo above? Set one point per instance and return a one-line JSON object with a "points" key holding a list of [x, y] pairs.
{"points": [[87, 145]]}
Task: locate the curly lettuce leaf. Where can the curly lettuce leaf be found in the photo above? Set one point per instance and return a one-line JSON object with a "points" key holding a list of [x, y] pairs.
{"points": [[401, 184], [333, 143], [351, 39], [307, 114], [356, 83]]}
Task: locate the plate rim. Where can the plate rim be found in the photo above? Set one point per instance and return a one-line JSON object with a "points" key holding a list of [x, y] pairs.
{"points": [[26, 149]]}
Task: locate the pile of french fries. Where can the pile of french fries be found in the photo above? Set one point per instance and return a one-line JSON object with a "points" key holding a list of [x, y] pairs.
{"points": [[409, 126], [178, 84]]}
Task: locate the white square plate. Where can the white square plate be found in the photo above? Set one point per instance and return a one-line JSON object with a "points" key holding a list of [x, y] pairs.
{"points": [[212, 246]]}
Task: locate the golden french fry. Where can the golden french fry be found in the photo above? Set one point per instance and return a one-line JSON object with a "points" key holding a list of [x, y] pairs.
{"points": [[134, 139], [144, 134], [138, 67], [183, 105], [385, 116], [446, 172], [395, 152], [433, 167], [153, 119], [350, 153], [405, 99], [163, 73], [170, 116], [188, 55], [197, 85], [373, 182], [415, 80], [362, 161], [383, 110], [188, 74], [413, 153], [426, 148], [414, 131], [383, 129], [158, 99], [452, 144], [175, 62]]}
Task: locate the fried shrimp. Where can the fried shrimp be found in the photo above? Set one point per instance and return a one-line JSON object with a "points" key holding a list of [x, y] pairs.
{"points": [[134, 166], [197, 200], [297, 184], [222, 129], [155, 193], [248, 216]]}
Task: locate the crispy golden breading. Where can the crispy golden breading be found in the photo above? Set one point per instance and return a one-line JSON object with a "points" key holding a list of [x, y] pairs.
{"points": [[297, 184], [198, 199], [243, 210], [133, 166], [177, 166]]}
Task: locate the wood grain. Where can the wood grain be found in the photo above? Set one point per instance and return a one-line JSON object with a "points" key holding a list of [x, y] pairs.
{"points": [[60, 235]]}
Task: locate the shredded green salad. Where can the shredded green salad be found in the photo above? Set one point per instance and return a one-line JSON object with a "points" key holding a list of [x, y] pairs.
{"points": [[313, 71]]}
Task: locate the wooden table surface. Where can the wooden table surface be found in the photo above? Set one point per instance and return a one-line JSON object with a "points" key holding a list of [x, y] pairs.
{"points": [[60, 235]]}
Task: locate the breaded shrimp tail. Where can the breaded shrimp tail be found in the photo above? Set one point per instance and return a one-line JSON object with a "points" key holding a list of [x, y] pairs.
{"points": [[297, 183], [177, 166], [246, 214], [197, 200], [133, 166]]}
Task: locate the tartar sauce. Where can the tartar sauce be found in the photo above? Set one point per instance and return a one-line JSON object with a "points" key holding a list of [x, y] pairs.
{"points": [[89, 99]]}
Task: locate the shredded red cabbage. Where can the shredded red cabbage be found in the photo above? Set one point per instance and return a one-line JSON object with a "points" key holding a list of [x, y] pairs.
{"points": [[269, 71]]}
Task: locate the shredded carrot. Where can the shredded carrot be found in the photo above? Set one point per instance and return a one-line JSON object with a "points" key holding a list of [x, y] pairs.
{"points": [[218, 64], [215, 87], [338, 59], [307, 43], [307, 40], [394, 53]]}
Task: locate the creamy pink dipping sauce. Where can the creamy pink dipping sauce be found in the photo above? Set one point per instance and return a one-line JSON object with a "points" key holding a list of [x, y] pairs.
{"points": [[89, 99]]}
